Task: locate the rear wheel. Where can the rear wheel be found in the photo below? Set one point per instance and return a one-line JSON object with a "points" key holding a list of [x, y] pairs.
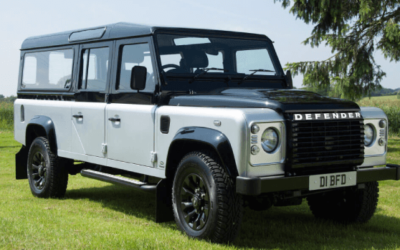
{"points": [[346, 206], [204, 199], [46, 172]]}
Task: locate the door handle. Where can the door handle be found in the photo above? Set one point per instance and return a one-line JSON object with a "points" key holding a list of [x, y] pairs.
{"points": [[77, 116], [114, 119]]}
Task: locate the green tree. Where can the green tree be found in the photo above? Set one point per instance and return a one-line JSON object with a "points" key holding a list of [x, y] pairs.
{"points": [[398, 95], [354, 29]]}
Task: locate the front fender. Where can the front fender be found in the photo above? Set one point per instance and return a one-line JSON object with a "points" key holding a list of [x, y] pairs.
{"points": [[212, 138]]}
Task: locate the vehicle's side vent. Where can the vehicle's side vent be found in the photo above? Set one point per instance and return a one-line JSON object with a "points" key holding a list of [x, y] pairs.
{"points": [[164, 124], [22, 113]]}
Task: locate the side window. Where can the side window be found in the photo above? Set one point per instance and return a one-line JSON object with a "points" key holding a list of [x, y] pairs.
{"points": [[94, 69], [135, 55], [248, 60], [48, 69], [30, 68]]}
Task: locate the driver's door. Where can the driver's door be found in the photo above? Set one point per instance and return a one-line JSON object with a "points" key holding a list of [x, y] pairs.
{"points": [[130, 113]]}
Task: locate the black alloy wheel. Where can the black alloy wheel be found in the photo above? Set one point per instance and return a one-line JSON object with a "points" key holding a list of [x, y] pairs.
{"points": [[204, 199], [39, 171], [195, 201], [47, 173]]}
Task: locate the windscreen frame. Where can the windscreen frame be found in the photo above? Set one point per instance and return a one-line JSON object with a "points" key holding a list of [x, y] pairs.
{"points": [[228, 35]]}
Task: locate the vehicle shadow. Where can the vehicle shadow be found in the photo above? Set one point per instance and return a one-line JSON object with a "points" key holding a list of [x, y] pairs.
{"points": [[280, 227]]}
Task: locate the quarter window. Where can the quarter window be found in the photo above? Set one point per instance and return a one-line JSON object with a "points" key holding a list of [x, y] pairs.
{"points": [[48, 70], [135, 55], [94, 69]]}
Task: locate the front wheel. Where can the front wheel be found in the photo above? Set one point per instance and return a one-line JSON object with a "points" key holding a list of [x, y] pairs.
{"points": [[346, 206], [204, 199], [47, 174]]}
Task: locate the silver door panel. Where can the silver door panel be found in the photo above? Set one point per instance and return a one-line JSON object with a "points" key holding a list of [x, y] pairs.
{"points": [[131, 139], [88, 131]]}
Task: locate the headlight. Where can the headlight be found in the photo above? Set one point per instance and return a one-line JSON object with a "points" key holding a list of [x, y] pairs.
{"points": [[369, 135], [269, 140]]}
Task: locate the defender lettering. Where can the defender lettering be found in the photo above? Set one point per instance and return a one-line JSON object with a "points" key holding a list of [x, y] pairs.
{"points": [[327, 116]]}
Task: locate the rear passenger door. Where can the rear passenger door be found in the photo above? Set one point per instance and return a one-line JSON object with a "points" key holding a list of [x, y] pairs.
{"points": [[88, 111]]}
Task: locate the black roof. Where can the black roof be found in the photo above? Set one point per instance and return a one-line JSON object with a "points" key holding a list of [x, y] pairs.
{"points": [[118, 30]]}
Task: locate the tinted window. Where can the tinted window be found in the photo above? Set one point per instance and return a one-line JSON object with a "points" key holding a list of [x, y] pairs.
{"points": [[48, 70], [192, 55], [240, 62], [30, 69], [94, 69], [248, 60], [135, 55]]}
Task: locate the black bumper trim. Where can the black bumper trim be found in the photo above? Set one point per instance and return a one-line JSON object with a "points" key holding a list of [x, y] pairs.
{"points": [[257, 185]]}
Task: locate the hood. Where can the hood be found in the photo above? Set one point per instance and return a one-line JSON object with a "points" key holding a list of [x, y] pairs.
{"points": [[284, 100]]}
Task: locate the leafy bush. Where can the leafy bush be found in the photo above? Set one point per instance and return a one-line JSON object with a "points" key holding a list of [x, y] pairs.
{"points": [[6, 115]]}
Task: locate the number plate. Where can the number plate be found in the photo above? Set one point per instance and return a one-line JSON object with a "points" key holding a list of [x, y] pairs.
{"points": [[334, 180]]}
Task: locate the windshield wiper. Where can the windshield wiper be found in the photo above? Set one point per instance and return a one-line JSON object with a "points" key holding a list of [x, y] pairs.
{"points": [[205, 70], [255, 71]]}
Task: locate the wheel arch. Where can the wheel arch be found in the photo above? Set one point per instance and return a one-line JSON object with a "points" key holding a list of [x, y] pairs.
{"points": [[41, 126], [37, 126], [190, 139]]}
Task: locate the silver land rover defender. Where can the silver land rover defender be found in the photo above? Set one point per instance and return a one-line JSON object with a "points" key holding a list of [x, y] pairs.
{"points": [[206, 119]]}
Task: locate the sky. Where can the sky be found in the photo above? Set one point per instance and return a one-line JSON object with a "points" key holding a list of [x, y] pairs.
{"points": [[24, 18]]}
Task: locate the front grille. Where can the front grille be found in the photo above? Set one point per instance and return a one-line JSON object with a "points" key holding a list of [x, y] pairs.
{"points": [[325, 143]]}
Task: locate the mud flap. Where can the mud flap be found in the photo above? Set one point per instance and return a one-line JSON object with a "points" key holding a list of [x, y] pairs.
{"points": [[21, 160], [164, 202]]}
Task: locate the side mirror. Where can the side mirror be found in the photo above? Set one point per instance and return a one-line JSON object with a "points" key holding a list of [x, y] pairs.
{"points": [[138, 77], [289, 80]]}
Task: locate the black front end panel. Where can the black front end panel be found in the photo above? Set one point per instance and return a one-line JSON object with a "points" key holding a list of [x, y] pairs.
{"points": [[323, 145]]}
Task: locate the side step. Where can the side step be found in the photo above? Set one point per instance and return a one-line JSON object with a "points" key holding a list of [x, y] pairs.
{"points": [[117, 180]]}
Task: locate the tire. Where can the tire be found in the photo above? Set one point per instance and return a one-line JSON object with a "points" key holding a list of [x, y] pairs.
{"points": [[204, 199], [47, 173], [349, 206]]}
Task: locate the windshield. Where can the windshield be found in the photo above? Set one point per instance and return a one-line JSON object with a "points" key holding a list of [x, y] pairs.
{"points": [[192, 55]]}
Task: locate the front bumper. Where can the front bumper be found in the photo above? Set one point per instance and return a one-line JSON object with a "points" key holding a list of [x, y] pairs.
{"points": [[261, 185]]}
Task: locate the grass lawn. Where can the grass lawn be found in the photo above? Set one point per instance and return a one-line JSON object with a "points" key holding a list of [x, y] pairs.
{"points": [[97, 215], [382, 98]]}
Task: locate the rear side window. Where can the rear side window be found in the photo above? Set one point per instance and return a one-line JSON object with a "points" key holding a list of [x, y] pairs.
{"points": [[94, 69], [48, 69]]}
